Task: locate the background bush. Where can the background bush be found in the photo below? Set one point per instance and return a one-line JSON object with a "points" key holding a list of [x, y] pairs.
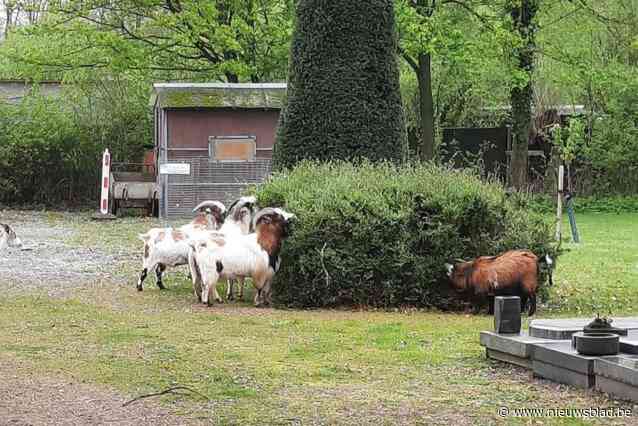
{"points": [[51, 146], [42, 156], [379, 235]]}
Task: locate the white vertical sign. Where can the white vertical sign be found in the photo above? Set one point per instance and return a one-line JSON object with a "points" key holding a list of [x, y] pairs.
{"points": [[106, 168]]}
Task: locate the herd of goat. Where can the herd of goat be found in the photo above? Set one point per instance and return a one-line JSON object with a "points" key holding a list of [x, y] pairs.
{"points": [[245, 242], [240, 243]]}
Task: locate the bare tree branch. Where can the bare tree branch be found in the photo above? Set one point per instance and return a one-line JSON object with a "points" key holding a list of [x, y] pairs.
{"points": [[173, 390]]}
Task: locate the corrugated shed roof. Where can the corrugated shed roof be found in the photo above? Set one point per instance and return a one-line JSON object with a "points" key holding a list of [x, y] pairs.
{"points": [[219, 95]]}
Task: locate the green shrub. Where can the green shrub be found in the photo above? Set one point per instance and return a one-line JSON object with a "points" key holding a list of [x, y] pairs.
{"points": [[343, 98], [379, 235], [51, 146], [42, 158]]}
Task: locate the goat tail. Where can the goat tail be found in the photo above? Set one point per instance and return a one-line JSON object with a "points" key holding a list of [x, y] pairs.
{"points": [[548, 265]]}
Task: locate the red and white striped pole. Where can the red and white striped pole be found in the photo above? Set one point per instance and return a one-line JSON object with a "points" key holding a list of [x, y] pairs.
{"points": [[106, 168]]}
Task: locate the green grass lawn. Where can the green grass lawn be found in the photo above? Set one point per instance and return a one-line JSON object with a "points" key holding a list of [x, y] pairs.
{"points": [[264, 366], [601, 273]]}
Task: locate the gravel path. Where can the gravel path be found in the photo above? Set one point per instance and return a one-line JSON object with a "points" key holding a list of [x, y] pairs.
{"points": [[47, 261]]}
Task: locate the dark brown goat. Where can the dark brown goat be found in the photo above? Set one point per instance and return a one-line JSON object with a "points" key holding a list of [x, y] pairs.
{"points": [[513, 273]]}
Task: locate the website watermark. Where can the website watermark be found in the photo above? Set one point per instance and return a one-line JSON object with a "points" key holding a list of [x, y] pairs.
{"points": [[588, 412]]}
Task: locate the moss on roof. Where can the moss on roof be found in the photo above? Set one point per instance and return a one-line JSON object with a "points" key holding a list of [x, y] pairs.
{"points": [[267, 96]]}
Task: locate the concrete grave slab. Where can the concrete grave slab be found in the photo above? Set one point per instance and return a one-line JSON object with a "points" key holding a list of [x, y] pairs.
{"points": [[629, 343], [563, 375], [508, 358], [563, 355], [518, 345], [547, 349], [616, 389], [562, 329], [623, 368]]}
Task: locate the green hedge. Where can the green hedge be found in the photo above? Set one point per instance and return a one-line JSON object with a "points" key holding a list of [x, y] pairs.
{"points": [[343, 99], [379, 235]]}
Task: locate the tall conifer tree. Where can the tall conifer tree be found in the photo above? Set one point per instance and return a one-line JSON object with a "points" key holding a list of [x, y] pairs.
{"points": [[343, 85]]}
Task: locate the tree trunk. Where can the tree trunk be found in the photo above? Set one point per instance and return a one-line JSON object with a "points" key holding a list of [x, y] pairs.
{"points": [[426, 106], [522, 116], [523, 15]]}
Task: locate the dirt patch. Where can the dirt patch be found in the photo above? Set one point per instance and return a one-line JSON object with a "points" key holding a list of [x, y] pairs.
{"points": [[48, 261], [27, 399]]}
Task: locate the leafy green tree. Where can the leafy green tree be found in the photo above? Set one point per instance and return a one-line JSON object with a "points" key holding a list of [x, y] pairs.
{"points": [[343, 85], [228, 40], [588, 54], [435, 38]]}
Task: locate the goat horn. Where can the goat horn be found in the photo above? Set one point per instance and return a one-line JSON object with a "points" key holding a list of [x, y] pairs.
{"points": [[269, 210], [210, 204]]}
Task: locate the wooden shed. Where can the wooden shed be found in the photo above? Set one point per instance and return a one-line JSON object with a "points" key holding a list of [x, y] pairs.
{"points": [[212, 140]]}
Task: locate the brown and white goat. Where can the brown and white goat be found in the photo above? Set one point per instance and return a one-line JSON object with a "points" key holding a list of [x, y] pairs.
{"points": [[165, 247], [254, 255], [513, 273], [8, 237]]}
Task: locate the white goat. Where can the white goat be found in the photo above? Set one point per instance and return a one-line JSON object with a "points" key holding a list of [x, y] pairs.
{"points": [[8, 237], [214, 256], [169, 247], [239, 221]]}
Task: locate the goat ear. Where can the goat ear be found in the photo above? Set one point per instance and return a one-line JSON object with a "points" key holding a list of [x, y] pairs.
{"points": [[7, 228]]}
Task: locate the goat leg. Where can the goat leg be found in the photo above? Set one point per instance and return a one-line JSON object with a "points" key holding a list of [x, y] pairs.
{"points": [[257, 297], [523, 302], [158, 273], [266, 292], [141, 280], [230, 293], [195, 275], [532, 305], [242, 281], [211, 289]]}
